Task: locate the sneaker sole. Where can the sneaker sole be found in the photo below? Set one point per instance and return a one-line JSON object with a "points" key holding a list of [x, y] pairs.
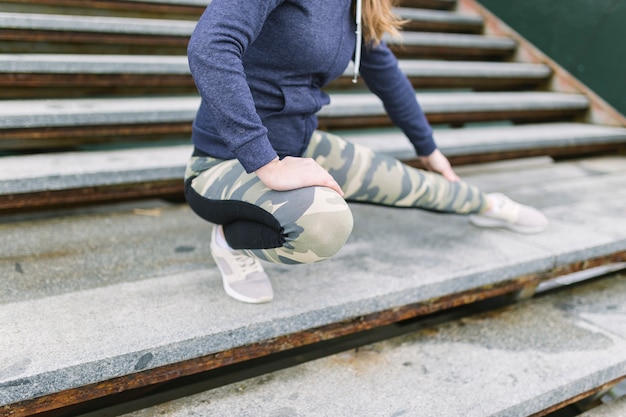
{"points": [[493, 223], [240, 297]]}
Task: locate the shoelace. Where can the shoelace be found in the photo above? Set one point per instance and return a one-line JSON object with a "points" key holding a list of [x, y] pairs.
{"points": [[246, 263]]}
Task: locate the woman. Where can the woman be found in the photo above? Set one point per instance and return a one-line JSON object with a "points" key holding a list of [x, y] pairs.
{"points": [[275, 187]]}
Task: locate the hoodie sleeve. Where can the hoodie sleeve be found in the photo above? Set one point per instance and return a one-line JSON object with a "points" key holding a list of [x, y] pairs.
{"points": [[380, 71], [215, 52]]}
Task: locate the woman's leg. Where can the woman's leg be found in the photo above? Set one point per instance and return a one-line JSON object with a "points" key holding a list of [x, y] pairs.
{"points": [[288, 227], [366, 176]]}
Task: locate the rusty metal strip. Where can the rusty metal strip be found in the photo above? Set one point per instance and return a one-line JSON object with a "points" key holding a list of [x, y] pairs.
{"points": [[445, 27], [580, 397], [71, 136], [171, 372], [451, 52], [428, 4], [38, 86], [71, 37], [457, 118], [167, 189], [122, 80], [475, 83], [600, 111], [148, 7]]}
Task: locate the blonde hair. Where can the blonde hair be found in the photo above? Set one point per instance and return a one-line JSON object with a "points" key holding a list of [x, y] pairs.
{"points": [[378, 19]]}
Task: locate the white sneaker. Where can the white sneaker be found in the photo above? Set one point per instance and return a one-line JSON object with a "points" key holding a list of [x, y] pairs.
{"points": [[508, 214], [243, 276]]}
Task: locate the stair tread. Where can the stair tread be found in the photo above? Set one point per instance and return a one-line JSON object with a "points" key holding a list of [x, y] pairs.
{"points": [[93, 64], [437, 15], [89, 266], [453, 39], [195, 7], [105, 24], [493, 139], [154, 64], [96, 293], [90, 111], [453, 102], [472, 68], [42, 172], [512, 362], [67, 170], [155, 27], [113, 24]]}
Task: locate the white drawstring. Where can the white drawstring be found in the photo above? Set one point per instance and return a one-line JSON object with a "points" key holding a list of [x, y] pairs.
{"points": [[357, 52]]}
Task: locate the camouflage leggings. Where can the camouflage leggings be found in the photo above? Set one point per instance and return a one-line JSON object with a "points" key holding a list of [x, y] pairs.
{"points": [[311, 224]]}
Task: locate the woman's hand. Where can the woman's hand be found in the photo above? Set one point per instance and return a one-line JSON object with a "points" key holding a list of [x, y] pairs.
{"points": [[291, 173], [437, 162]]}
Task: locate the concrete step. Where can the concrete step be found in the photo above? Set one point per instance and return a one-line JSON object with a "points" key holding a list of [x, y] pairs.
{"points": [[528, 359], [66, 122], [155, 9], [425, 20], [51, 75], [131, 297], [470, 145], [163, 9], [52, 33], [58, 179], [420, 19], [480, 76], [79, 75], [349, 110], [452, 46], [477, 75]]}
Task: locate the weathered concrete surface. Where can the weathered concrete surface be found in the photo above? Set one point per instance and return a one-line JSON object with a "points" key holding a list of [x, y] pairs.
{"points": [[511, 363], [107, 111], [148, 64], [66, 170], [102, 294], [98, 24], [93, 64], [494, 139]]}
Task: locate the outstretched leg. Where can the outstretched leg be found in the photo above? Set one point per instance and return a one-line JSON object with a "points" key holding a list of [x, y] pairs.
{"points": [[367, 176]]}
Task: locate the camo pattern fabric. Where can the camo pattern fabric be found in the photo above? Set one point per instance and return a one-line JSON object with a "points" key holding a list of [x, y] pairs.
{"points": [[365, 176], [316, 221]]}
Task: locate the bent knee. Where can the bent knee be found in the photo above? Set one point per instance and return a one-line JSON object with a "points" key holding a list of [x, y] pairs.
{"points": [[322, 230]]}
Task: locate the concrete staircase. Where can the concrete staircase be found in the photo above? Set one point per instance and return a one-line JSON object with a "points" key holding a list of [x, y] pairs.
{"points": [[104, 303], [490, 364]]}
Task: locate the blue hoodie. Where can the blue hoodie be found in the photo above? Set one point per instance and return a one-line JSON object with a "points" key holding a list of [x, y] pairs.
{"points": [[260, 65]]}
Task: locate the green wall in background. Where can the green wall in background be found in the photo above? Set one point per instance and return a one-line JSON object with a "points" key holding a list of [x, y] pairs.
{"points": [[586, 37]]}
